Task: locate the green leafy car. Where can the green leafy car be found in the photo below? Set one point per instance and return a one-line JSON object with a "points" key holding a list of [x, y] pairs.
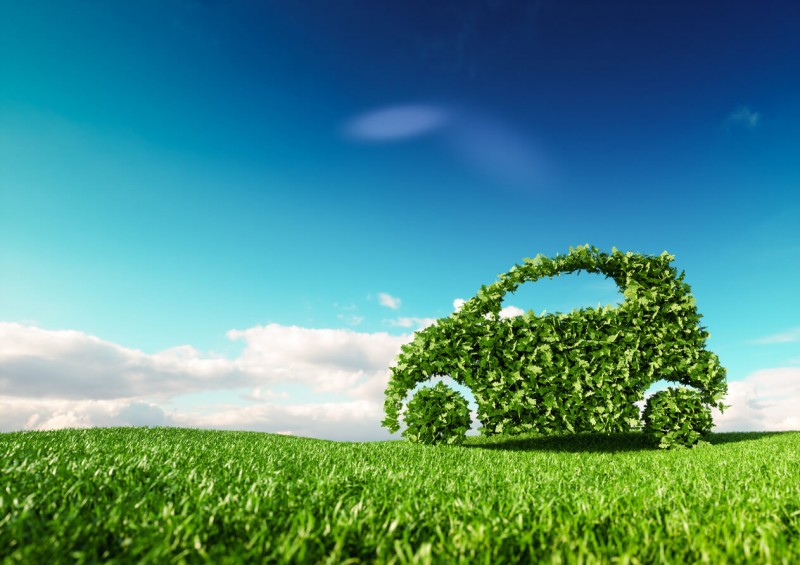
{"points": [[583, 371]]}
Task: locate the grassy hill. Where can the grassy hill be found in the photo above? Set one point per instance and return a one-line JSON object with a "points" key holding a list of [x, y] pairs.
{"points": [[161, 495]]}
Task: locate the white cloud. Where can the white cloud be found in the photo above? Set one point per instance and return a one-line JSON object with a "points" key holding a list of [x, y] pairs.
{"points": [[275, 353], [357, 420], [49, 414], [396, 122], [766, 400], [511, 311], [458, 303], [69, 379], [263, 393], [790, 336], [745, 117], [389, 301], [68, 364]]}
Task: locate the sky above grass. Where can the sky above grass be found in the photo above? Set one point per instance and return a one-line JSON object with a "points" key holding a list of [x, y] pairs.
{"points": [[233, 214]]}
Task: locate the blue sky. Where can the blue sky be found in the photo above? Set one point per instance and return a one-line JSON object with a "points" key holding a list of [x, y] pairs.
{"points": [[254, 203]]}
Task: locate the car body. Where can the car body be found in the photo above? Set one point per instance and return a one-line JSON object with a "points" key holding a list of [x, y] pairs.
{"points": [[581, 371]]}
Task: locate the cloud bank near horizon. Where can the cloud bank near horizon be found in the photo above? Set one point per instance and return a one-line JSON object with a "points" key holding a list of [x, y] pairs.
{"points": [[327, 384], [55, 379]]}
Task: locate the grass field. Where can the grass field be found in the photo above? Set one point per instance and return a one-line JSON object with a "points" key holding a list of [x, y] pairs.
{"points": [[162, 495]]}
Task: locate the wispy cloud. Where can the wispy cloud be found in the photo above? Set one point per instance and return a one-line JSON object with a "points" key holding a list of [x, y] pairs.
{"points": [[790, 336], [498, 150], [744, 117], [352, 319], [418, 323], [350, 315], [389, 301], [493, 147], [394, 123]]}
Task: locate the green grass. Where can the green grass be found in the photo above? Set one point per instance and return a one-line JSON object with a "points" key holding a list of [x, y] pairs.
{"points": [[161, 495]]}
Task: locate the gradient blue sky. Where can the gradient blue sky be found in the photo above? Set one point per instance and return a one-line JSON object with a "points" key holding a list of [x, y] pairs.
{"points": [[173, 171]]}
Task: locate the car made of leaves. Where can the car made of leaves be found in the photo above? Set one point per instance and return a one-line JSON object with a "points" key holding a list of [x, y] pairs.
{"points": [[581, 371]]}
